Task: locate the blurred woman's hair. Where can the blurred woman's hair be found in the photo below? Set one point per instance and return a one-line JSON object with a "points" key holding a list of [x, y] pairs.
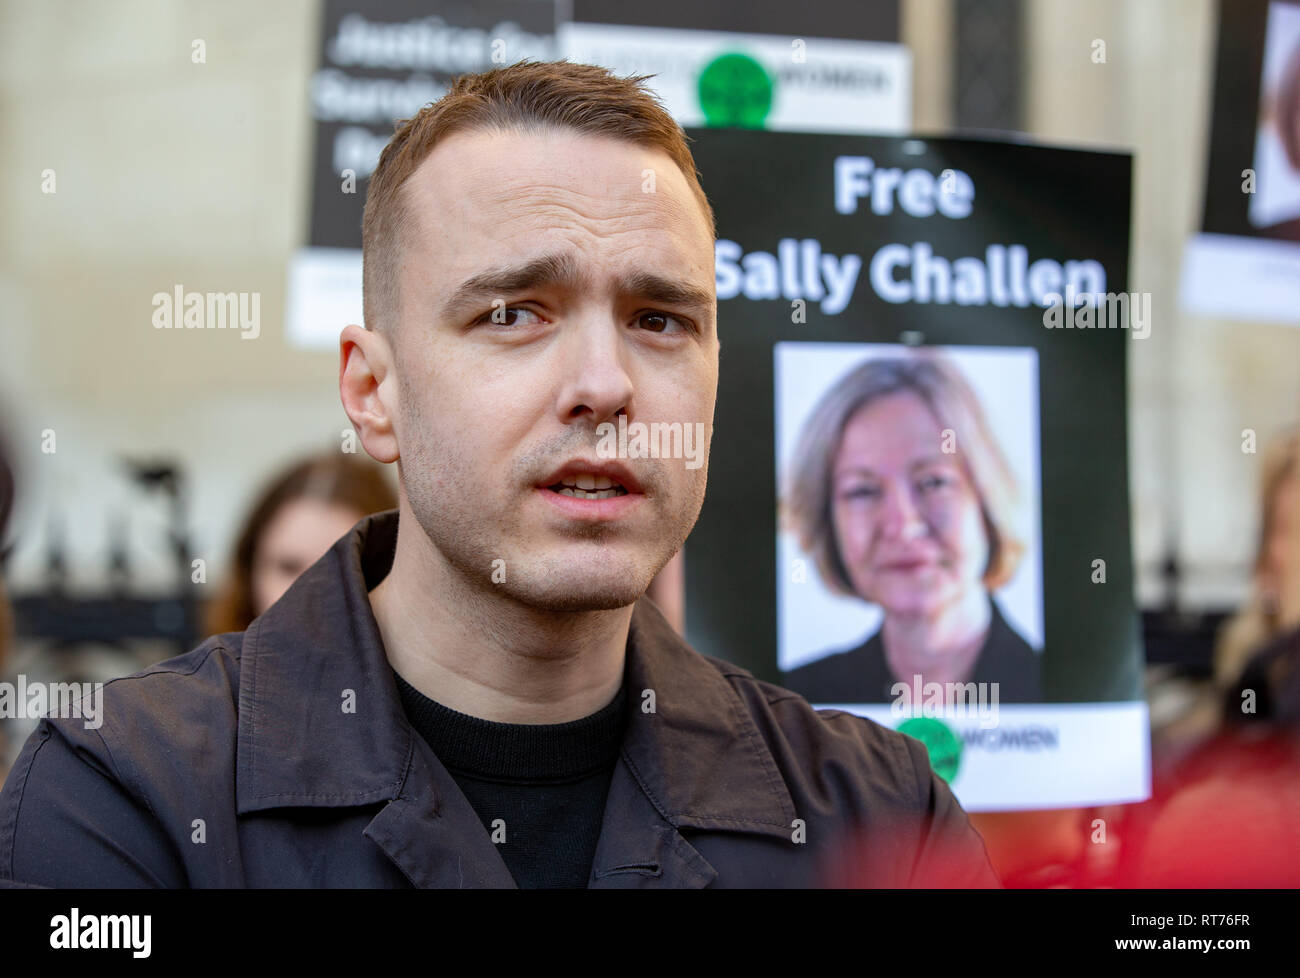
{"points": [[807, 503], [8, 484], [331, 478], [8, 490], [1261, 619]]}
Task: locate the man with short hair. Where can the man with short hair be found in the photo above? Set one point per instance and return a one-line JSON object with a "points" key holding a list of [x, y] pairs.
{"points": [[472, 691]]}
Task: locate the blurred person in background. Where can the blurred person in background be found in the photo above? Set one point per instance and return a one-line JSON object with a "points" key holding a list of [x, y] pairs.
{"points": [[1259, 624], [1261, 645], [1228, 814], [7, 493], [1260, 620], [296, 518]]}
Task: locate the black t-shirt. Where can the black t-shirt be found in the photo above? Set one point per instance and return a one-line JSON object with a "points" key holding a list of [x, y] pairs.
{"points": [[539, 789]]}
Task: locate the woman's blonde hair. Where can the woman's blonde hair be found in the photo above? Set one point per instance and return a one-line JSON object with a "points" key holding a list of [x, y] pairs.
{"points": [[806, 507], [1264, 615]]}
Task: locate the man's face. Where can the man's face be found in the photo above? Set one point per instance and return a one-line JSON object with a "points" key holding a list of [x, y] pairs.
{"points": [[549, 283]]}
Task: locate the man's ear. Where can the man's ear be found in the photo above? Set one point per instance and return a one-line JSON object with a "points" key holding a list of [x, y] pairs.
{"points": [[368, 388]]}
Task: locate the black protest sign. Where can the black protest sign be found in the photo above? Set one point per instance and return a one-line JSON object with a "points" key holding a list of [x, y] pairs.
{"points": [[1006, 262]]}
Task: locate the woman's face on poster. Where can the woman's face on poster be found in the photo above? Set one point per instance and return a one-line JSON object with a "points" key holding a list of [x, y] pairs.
{"points": [[907, 518]]}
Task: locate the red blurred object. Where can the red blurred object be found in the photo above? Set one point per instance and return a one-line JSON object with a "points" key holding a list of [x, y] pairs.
{"points": [[1228, 817]]}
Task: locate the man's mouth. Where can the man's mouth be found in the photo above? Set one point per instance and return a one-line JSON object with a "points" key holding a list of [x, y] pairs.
{"points": [[587, 490], [588, 487]]}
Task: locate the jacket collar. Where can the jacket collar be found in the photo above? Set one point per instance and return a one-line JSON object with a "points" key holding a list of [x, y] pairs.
{"points": [[321, 724]]}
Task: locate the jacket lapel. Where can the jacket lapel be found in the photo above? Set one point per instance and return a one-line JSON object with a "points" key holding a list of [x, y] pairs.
{"points": [[433, 835], [639, 848], [320, 721], [695, 761]]}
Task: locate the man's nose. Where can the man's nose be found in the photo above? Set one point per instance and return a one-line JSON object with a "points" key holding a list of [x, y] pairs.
{"points": [[594, 379], [900, 514]]}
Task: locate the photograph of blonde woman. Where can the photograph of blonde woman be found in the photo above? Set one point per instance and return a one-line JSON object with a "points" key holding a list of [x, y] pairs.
{"points": [[899, 491], [1273, 201]]}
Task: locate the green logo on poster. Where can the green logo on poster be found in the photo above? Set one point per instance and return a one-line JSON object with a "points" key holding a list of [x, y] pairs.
{"points": [[939, 740], [735, 90]]}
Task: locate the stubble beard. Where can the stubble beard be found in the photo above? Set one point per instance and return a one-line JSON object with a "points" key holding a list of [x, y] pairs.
{"points": [[587, 568]]}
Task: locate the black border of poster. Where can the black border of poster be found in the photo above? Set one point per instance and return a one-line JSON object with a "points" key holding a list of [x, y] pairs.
{"points": [[1060, 203], [1238, 62]]}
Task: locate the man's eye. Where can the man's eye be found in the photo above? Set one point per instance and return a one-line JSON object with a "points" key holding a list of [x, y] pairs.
{"points": [[861, 492], [658, 322], [507, 316]]}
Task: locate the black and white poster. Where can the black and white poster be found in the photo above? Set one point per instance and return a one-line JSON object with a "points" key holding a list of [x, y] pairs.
{"points": [[1245, 262]]}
